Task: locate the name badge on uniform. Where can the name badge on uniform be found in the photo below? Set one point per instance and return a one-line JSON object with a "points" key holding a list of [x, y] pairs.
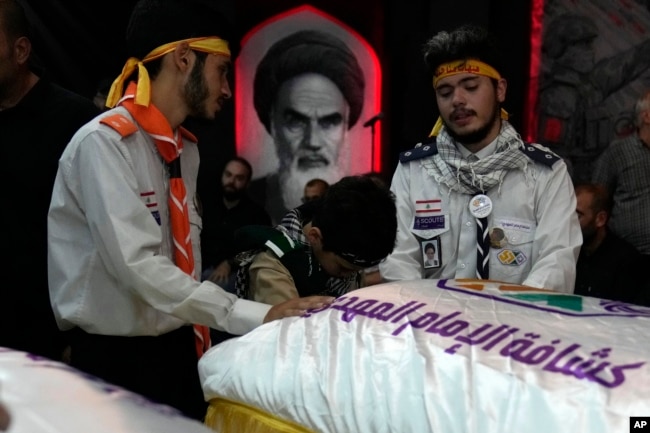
{"points": [[428, 215]]}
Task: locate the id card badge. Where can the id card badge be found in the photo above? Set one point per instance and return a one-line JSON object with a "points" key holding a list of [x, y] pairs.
{"points": [[431, 257]]}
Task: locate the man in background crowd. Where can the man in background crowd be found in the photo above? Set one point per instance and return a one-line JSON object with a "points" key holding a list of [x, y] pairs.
{"points": [[314, 189], [234, 209], [608, 267], [37, 119], [624, 168]]}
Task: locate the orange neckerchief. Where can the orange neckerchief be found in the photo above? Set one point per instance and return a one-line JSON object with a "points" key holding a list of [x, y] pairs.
{"points": [[170, 146], [156, 125]]}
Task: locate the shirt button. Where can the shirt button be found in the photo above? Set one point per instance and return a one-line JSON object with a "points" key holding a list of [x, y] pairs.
{"points": [[468, 223], [463, 266]]}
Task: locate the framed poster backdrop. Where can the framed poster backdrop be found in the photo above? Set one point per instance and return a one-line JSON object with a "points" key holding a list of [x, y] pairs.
{"points": [[360, 152], [590, 61]]}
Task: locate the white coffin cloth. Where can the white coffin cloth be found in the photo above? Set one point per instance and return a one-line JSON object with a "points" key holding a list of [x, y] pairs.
{"points": [[45, 396], [444, 356]]}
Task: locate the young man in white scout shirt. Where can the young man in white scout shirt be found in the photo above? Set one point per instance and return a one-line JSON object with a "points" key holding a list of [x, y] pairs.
{"points": [[498, 208]]}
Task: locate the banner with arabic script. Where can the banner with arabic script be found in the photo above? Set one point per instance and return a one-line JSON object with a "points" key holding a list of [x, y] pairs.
{"points": [[443, 356]]}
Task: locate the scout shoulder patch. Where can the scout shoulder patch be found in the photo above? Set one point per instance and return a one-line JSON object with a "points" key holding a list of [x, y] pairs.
{"points": [[539, 154], [119, 122], [421, 150]]}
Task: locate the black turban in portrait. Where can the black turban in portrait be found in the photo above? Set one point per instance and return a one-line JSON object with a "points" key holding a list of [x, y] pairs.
{"points": [[308, 51]]}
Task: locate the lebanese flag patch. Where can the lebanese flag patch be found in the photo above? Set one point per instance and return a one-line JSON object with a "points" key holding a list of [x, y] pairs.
{"points": [[428, 206]]}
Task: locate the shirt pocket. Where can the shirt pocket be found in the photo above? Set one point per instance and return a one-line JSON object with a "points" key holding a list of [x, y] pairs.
{"points": [[513, 260]]}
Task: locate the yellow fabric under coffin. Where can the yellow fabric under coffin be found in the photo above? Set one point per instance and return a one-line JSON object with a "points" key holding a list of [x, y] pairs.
{"points": [[227, 416]]}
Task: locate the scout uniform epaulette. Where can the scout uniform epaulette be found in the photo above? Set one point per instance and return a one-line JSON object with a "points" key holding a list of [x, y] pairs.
{"points": [[540, 155], [426, 148], [122, 124]]}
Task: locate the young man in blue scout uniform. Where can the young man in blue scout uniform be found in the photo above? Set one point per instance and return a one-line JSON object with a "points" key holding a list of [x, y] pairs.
{"points": [[500, 208]]}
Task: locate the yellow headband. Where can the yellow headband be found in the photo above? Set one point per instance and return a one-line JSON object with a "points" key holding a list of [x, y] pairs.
{"points": [[469, 66], [464, 67], [210, 45]]}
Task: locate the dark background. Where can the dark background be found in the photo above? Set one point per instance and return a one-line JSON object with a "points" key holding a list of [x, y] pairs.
{"points": [[79, 42]]}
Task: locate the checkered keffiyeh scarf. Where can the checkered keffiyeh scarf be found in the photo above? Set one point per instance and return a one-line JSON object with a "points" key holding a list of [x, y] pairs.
{"points": [[291, 225], [450, 168]]}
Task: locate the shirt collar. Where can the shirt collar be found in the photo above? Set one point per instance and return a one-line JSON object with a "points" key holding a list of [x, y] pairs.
{"points": [[486, 151]]}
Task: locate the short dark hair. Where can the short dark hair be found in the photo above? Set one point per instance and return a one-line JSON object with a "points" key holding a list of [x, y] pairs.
{"points": [[318, 181], [378, 177], [304, 52], [157, 22], [357, 217], [430, 246], [14, 20], [601, 198], [465, 42], [244, 162]]}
